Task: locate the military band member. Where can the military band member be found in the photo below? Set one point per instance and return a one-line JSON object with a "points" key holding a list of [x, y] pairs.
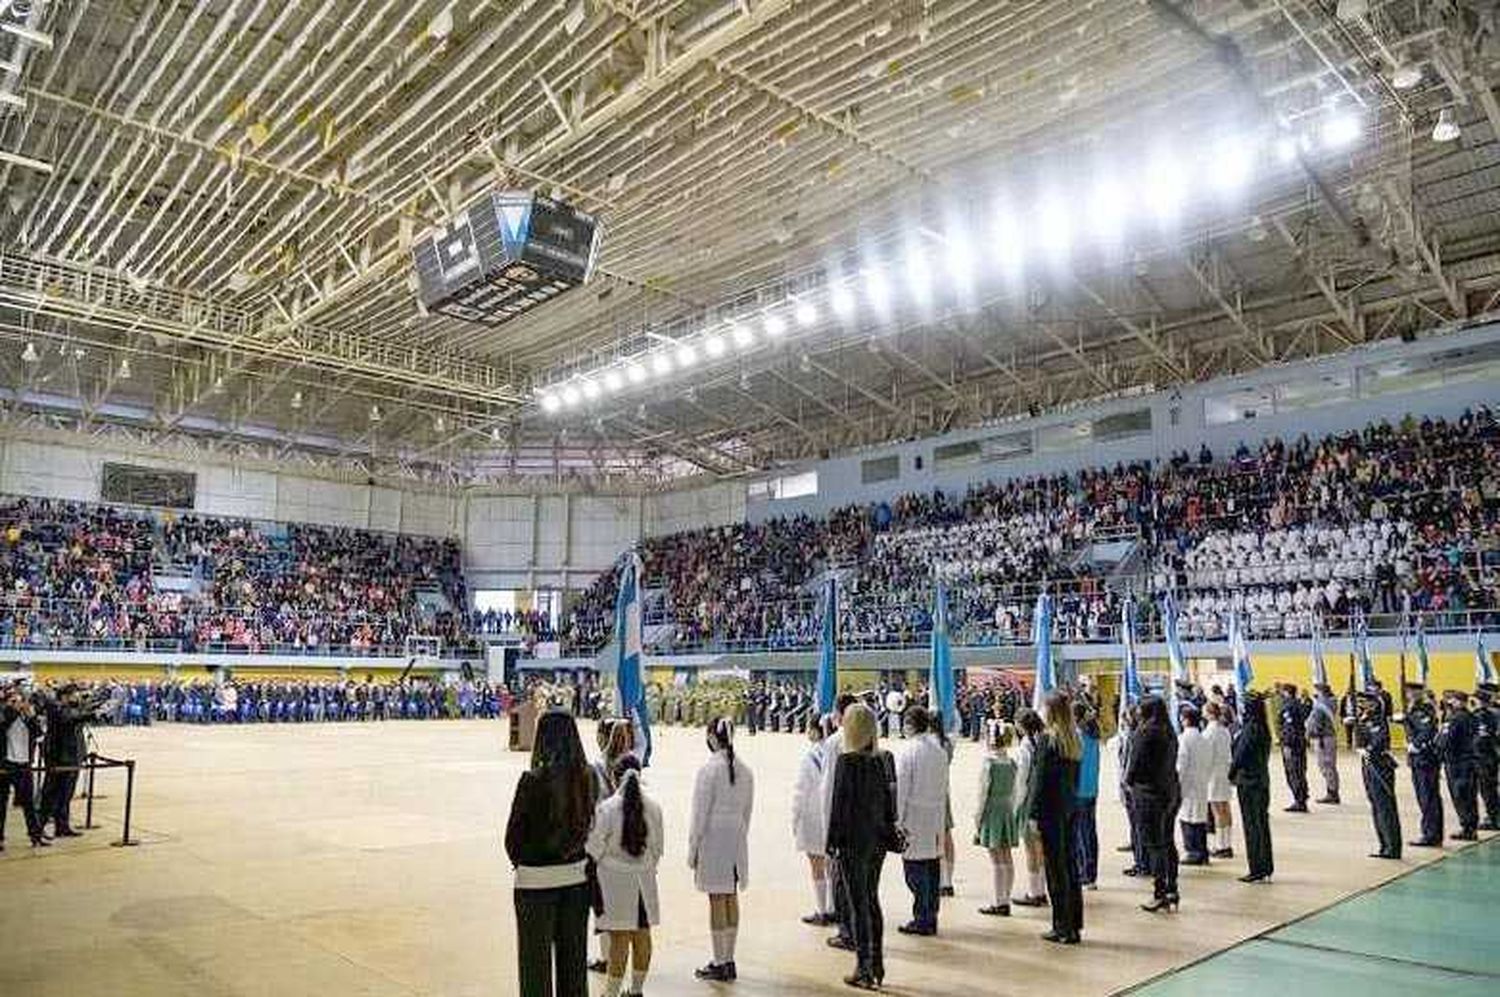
{"points": [[1425, 759], [1292, 712], [1322, 734], [1457, 742], [1487, 753], [1372, 739]]}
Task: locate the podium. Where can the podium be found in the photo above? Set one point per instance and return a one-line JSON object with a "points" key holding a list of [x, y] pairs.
{"points": [[523, 725]]}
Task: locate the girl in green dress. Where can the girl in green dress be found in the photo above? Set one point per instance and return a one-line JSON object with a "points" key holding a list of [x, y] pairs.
{"points": [[995, 823]]}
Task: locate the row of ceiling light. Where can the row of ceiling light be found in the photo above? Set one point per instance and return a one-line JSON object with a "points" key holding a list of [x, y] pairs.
{"points": [[1060, 224]]}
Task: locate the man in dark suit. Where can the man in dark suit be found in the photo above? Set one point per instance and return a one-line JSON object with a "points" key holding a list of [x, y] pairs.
{"points": [[62, 750]]}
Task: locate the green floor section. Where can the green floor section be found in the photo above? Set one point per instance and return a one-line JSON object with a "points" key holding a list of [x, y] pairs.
{"points": [[1435, 931]]}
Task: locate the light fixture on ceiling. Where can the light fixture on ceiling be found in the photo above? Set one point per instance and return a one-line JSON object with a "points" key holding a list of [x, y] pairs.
{"points": [[806, 313], [842, 301], [495, 430], [29, 354], [1341, 129], [296, 402], [805, 364], [123, 373], [550, 402], [686, 355], [218, 387], [613, 380], [570, 395], [375, 413], [1446, 129], [440, 424], [1406, 76], [590, 388], [635, 372], [713, 345], [774, 324], [661, 364], [743, 337]]}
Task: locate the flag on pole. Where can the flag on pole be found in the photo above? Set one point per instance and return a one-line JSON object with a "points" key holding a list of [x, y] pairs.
{"points": [[1239, 654], [630, 676], [828, 650], [1423, 665], [1319, 666], [1362, 651], [1176, 656], [1484, 667], [1130, 679], [941, 694], [1041, 636]]}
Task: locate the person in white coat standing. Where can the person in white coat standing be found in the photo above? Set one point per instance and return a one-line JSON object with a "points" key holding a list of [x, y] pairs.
{"points": [[1194, 762], [719, 843], [1220, 742], [626, 845], [922, 813], [810, 820]]}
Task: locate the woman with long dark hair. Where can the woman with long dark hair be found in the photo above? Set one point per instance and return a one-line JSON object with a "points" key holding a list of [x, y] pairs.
{"points": [[719, 843], [1154, 787], [1250, 772], [626, 843], [550, 818], [1054, 802], [861, 829]]}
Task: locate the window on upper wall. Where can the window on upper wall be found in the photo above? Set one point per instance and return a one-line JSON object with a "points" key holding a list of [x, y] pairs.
{"points": [[1434, 370], [787, 486], [1122, 425], [878, 469]]}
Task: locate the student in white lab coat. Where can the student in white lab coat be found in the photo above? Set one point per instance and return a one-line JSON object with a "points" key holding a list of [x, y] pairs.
{"points": [[626, 845], [810, 821], [1219, 787], [718, 843], [1194, 759], [922, 813]]}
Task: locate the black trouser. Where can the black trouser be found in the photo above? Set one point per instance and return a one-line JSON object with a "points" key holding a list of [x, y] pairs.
{"points": [[1294, 761], [552, 941], [19, 776], [1086, 843], [57, 798], [861, 874], [1140, 861], [924, 877], [1461, 790], [839, 884], [1156, 820], [1195, 841], [1380, 787], [1426, 778], [1063, 889], [1485, 774], [1255, 816]]}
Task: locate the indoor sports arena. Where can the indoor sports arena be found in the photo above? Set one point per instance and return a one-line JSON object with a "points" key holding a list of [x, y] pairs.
{"points": [[749, 498]]}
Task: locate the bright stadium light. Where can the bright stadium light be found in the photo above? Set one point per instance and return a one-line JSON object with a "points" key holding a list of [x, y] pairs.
{"points": [[551, 403], [686, 355], [661, 364], [806, 313], [1286, 149], [590, 389], [613, 381], [1231, 164], [958, 257], [918, 276], [1109, 212], [1010, 244], [742, 334], [877, 289], [1055, 229], [713, 345], [635, 372], [570, 395], [1165, 187], [1341, 129], [841, 299], [774, 324]]}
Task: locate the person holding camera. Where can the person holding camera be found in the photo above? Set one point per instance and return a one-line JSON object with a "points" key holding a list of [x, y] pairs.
{"points": [[19, 731], [63, 750]]}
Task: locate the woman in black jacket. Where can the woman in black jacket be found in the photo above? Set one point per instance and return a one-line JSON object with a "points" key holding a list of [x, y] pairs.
{"points": [[1054, 801], [861, 828], [1152, 779], [549, 825], [1250, 771]]}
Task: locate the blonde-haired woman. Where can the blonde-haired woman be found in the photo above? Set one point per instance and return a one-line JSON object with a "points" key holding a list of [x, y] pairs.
{"points": [[1054, 801], [995, 825], [861, 829]]}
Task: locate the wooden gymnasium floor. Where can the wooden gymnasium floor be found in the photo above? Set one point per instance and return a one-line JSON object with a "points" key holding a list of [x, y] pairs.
{"points": [[349, 859]]}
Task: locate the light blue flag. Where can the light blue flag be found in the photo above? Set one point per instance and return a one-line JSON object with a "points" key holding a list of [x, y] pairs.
{"points": [[1484, 667], [1362, 650], [1239, 653], [1041, 636], [828, 648], [1423, 665], [1319, 666], [942, 696], [1176, 657], [1130, 680], [630, 676]]}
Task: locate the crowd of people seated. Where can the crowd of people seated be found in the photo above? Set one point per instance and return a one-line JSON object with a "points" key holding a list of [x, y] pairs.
{"points": [[1379, 521], [80, 573]]}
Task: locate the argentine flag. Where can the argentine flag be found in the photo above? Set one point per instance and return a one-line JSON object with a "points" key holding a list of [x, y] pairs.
{"points": [[1484, 668], [1422, 663], [1130, 681], [1041, 635], [1319, 666], [630, 675], [1176, 656], [1239, 653], [1362, 651], [828, 651], [941, 694]]}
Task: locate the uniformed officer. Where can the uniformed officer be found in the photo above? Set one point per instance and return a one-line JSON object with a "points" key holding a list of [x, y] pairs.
{"points": [[1292, 712], [1487, 753], [1322, 733], [1457, 743], [1372, 737], [1425, 759]]}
